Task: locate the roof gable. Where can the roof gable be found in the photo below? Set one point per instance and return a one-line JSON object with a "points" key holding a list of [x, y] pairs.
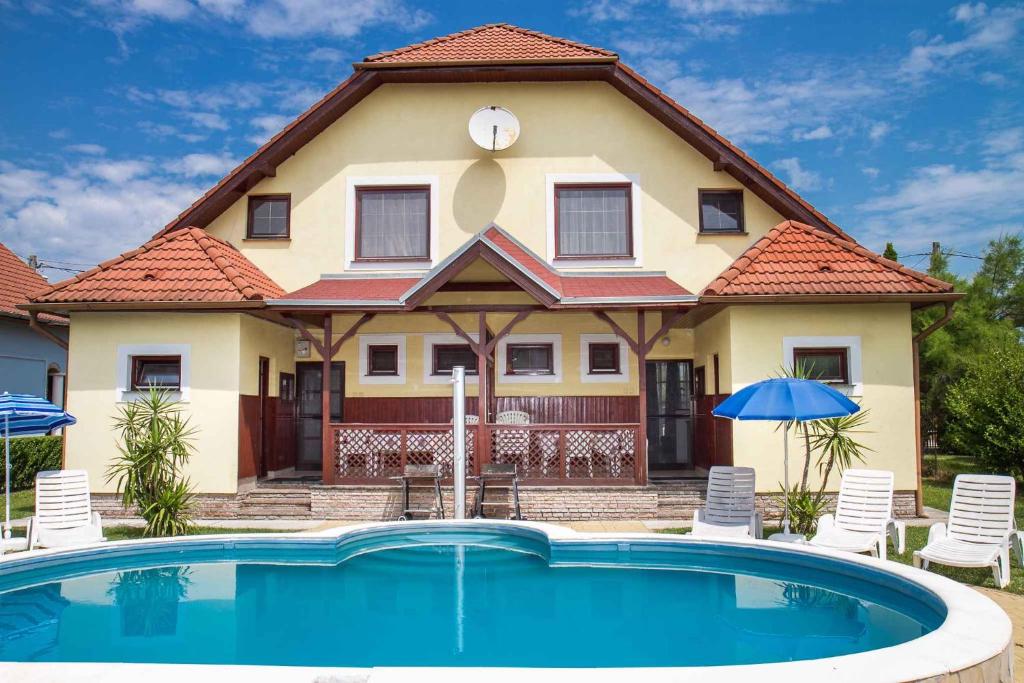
{"points": [[797, 259], [18, 282], [491, 43], [186, 266]]}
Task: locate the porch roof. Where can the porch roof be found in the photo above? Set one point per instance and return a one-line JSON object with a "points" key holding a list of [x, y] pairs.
{"points": [[509, 257], [795, 259]]}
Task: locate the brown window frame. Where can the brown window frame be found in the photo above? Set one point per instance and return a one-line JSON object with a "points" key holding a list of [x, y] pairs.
{"points": [[287, 198], [471, 369], [844, 365], [360, 190], [136, 367], [741, 228], [550, 370], [617, 370], [370, 371], [629, 221]]}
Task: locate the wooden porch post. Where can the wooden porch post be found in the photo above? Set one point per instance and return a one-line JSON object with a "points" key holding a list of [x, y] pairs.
{"points": [[641, 371], [327, 354]]}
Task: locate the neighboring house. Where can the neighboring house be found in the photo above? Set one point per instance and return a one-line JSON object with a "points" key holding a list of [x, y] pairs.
{"points": [[614, 273], [33, 353]]}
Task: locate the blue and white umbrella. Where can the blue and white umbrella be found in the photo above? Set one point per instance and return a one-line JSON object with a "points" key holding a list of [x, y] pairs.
{"points": [[24, 415], [786, 400]]}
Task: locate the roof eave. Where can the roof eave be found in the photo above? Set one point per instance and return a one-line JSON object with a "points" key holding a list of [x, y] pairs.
{"points": [[63, 307], [557, 61], [915, 298]]}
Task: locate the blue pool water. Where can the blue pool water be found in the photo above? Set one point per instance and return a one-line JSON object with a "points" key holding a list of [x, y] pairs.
{"points": [[469, 601]]}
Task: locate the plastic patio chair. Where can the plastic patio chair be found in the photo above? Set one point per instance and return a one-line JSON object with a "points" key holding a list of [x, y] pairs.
{"points": [[980, 529], [64, 515], [729, 510], [863, 521]]}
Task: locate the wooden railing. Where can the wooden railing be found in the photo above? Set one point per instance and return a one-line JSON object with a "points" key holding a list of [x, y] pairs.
{"points": [[542, 453]]}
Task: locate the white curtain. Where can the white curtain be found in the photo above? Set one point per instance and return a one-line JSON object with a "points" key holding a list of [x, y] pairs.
{"points": [[593, 221], [393, 224]]}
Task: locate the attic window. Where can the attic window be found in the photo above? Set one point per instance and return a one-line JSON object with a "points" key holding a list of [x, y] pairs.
{"points": [[269, 217], [721, 211]]}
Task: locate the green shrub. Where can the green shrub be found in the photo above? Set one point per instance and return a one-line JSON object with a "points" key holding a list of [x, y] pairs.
{"points": [[986, 410], [32, 454]]}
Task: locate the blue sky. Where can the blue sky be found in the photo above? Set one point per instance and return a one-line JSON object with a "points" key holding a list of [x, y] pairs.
{"points": [[900, 120]]}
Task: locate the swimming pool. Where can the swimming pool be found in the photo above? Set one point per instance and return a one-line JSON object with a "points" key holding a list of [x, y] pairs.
{"points": [[464, 595]]}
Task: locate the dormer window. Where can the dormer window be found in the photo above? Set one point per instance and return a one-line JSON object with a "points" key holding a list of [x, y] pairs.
{"points": [[593, 221], [392, 223]]}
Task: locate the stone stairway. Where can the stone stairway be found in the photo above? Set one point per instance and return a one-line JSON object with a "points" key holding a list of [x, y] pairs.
{"points": [[678, 499], [275, 502]]}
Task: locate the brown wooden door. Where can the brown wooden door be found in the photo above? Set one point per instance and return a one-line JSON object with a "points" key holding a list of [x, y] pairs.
{"points": [[265, 428]]}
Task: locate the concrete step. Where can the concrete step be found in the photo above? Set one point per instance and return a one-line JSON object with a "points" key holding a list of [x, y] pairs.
{"points": [[274, 512], [298, 501]]}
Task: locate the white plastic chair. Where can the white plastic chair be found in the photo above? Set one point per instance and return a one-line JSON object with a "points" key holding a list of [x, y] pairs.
{"points": [[729, 510], [64, 515], [513, 445], [980, 529], [863, 521], [513, 417]]}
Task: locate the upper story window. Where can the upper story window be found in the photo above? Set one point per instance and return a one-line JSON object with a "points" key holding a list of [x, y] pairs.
{"points": [[392, 223], [530, 359], [721, 211], [161, 372], [447, 356], [828, 365], [593, 220], [382, 359], [269, 217]]}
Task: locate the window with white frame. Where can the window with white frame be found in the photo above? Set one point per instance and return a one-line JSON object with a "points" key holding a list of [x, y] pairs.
{"points": [[603, 358], [162, 366], [382, 359], [593, 219], [529, 359], [391, 222], [442, 352], [836, 360]]}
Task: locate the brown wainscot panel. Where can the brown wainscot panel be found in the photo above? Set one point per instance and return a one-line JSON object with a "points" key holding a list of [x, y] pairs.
{"points": [[248, 436]]}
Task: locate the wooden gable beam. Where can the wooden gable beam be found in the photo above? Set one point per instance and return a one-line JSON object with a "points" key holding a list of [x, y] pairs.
{"points": [[632, 343], [307, 335], [503, 332], [459, 331], [336, 346], [667, 324]]}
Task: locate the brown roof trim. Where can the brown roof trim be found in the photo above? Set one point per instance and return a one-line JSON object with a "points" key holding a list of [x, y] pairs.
{"points": [[753, 251], [496, 62], [136, 306], [723, 154], [375, 60], [921, 299]]}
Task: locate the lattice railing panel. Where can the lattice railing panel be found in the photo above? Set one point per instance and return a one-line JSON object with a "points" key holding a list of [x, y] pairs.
{"points": [[368, 452], [534, 451], [600, 454]]}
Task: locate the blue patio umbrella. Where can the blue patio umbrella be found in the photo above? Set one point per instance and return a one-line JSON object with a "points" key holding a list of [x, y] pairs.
{"points": [[24, 415], [786, 400]]}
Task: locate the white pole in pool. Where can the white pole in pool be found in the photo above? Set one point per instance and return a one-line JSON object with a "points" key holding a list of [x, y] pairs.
{"points": [[7, 476], [459, 434], [785, 475]]}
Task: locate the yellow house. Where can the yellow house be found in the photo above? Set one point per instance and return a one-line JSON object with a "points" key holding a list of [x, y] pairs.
{"points": [[606, 266]]}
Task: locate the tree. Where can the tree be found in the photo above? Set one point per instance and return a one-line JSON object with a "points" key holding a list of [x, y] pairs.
{"points": [[986, 407], [890, 252], [155, 445]]}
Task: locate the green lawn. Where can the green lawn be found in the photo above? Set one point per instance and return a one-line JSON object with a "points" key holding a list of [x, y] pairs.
{"points": [[23, 503]]}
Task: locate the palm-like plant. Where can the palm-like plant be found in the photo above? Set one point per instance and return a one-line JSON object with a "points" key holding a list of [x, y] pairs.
{"points": [[155, 445]]}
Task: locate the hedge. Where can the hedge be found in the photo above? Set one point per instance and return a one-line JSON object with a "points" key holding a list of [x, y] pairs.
{"points": [[31, 454]]}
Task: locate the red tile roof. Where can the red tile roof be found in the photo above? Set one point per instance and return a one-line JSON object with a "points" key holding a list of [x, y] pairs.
{"points": [[568, 289], [17, 283], [354, 289], [184, 266], [491, 43], [794, 258]]}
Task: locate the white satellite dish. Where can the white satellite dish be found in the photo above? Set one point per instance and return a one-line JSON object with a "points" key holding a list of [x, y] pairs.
{"points": [[494, 128]]}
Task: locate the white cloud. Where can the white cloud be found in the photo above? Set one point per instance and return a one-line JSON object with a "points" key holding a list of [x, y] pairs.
{"points": [[985, 30], [605, 10], [86, 215], [879, 130], [87, 148], [195, 165], [1004, 141], [799, 178], [206, 119], [820, 133], [747, 8], [870, 171], [163, 130], [267, 127], [172, 10], [326, 54]]}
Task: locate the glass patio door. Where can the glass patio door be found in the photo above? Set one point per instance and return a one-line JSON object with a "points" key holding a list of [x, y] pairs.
{"points": [[309, 411], [669, 415]]}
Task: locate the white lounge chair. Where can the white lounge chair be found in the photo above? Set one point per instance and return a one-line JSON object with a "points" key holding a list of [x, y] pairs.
{"points": [[64, 515], [863, 521], [980, 529], [729, 510]]}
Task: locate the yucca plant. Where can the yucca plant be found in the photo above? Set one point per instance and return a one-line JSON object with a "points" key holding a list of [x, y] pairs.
{"points": [[155, 445]]}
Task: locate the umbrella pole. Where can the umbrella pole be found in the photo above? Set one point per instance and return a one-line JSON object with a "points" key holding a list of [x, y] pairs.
{"points": [[7, 476], [785, 477]]}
